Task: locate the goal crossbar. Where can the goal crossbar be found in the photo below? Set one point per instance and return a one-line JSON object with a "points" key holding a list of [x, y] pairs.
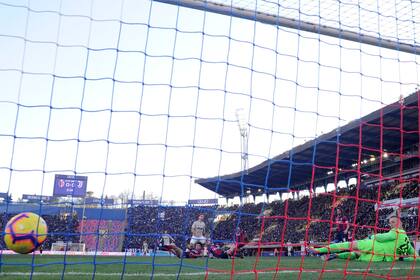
{"points": [[295, 24]]}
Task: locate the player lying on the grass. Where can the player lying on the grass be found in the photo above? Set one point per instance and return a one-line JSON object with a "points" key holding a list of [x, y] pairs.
{"points": [[390, 246], [167, 243], [221, 251], [194, 251]]}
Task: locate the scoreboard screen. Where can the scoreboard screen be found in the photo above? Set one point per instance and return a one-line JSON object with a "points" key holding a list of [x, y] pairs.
{"points": [[69, 185]]}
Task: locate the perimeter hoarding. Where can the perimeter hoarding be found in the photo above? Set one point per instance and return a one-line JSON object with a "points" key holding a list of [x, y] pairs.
{"points": [[99, 201], [36, 198], [145, 202], [203, 201]]}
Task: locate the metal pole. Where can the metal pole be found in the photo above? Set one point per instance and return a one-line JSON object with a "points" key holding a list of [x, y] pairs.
{"points": [[243, 130], [244, 137], [83, 219], [295, 24]]}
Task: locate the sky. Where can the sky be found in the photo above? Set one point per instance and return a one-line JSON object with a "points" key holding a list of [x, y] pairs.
{"points": [[141, 96]]}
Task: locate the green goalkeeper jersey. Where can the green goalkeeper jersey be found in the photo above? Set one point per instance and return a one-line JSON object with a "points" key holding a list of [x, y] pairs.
{"points": [[393, 244]]}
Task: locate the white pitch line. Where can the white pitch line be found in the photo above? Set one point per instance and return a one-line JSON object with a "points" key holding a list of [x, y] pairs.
{"points": [[74, 273]]}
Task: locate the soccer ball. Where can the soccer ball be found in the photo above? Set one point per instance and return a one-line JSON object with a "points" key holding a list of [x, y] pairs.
{"points": [[25, 232]]}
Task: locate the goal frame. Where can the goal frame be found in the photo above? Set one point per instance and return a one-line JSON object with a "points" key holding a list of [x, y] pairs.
{"points": [[295, 24]]}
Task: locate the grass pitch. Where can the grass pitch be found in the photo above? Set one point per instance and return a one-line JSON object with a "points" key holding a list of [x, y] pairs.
{"points": [[88, 267]]}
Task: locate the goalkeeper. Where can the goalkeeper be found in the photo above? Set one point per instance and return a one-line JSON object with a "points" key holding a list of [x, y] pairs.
{"points": [[390, 246]]}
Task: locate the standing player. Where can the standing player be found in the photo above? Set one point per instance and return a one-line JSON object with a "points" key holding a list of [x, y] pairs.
{"points": [[389, 246], [41, 248], [342, 227], [289, 248], [302, 248], [241, 239], [349, 236], [145, 248], [198, 229]]}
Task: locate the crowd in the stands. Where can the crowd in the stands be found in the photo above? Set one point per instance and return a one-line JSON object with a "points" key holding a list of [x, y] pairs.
{"points": [[279, 221], [293, 220]]}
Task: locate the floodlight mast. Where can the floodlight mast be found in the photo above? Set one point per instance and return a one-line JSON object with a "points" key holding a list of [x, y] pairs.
{"points": [[243, 130], [276, 20]]}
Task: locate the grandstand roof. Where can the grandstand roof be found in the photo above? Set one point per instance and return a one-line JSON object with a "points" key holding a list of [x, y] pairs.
{"points": [[386, 130]]}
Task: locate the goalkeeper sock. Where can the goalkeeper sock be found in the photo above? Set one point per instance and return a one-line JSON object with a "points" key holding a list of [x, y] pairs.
{"points": [[347, 255], [336, 247]]}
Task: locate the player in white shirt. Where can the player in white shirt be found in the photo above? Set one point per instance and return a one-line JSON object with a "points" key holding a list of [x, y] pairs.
{"points": [[145, 248], [167, 243], [198, 230], [289, 248]]}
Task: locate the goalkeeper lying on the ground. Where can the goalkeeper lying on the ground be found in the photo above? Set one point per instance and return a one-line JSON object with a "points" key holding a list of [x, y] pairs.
{"points": [[390, 246]]}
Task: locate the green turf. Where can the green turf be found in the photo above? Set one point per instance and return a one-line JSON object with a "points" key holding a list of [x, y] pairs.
{"points": [[78, 268]]}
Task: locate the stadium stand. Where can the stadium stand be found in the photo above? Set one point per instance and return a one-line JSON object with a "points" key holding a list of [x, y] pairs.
{"points": [[102, 235]]}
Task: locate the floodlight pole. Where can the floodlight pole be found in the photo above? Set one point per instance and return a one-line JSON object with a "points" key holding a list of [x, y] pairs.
{"points": [[243, 130]]}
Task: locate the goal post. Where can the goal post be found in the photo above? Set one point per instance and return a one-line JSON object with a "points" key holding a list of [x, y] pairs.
{"points": [[167, 134]]}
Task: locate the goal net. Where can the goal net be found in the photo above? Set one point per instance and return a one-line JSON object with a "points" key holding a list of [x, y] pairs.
{"points": [[266, 131]]}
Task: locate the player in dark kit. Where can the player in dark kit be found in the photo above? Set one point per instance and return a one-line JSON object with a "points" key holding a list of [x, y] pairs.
{"points": [[196, 251], [222, 251], [342, 226], [219, 251], [241, 240]]}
